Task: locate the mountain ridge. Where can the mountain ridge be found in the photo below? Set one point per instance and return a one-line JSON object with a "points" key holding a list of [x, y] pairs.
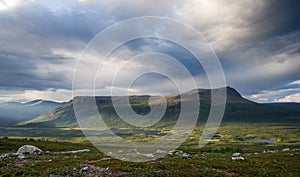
{"points": [[237, 109], [12, 112]]}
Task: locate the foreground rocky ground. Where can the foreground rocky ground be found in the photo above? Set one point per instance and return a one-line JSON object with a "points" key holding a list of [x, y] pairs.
{"points": [[82, 159]]}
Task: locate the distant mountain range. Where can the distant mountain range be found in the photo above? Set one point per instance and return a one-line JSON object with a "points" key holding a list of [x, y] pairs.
{"points": [[12, 112], [238, 109], [288, 104]]}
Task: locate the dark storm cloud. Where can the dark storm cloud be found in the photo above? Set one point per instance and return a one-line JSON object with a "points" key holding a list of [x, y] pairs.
{"points": [[274, 41], [30, 32], [277, 18], [258, 43], [20, 71], [170, 48], [33, 24]]}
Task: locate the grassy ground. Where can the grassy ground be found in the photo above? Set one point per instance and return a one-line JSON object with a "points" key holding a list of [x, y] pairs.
{"points": [[216, 162]]}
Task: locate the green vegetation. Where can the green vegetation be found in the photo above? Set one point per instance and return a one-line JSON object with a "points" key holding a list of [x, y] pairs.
{"points": [[230, 138]]}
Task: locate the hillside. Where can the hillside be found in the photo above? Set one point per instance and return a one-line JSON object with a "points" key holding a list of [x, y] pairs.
{"points": [[238, 109], [12, 112]]}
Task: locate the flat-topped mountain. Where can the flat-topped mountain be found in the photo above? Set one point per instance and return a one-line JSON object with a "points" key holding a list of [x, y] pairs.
{"points": [[237, 109]]}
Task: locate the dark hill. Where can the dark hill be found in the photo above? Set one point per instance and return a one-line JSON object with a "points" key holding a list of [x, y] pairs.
{"points": [[238, 109]]}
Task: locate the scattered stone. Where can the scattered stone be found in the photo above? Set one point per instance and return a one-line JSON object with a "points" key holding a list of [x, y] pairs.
{"points": [[21, 156], [268, 151], [75, 152], [84, 169], [151, 156], [175, 152], [4, 156], [133, 151], [91, 170], [238, 158], [179, 153], [201, 155], [236, 154], [186, 155], [29, 149], [120, 151], [14, 154], [286, 149], [110, 153], [8, 155], [158, 151]]}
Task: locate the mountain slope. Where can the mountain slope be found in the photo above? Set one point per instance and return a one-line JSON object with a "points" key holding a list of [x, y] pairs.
{"points": [[237, 109], [12, 112]]}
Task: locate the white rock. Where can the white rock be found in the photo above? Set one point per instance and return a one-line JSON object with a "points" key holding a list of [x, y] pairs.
{"points": [[84, 169], [4, 156], [133, 151], [236, 154], [175, 152], [29, 149], [14, 154], [75, 152], [237, 158], [158, 151], [110, 153], [268, 151], [151, 156], [286, 149], [186, 155], [21, 156]]}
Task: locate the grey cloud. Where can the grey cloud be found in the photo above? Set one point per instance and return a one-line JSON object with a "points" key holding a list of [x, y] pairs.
{"points": [[19, 71], [247, 35]]}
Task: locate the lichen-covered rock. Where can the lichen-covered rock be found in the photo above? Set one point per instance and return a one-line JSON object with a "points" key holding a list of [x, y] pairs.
{"points": [[29, 149]]}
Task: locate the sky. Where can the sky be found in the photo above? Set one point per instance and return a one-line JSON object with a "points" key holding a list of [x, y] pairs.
{"points": [[257, 43]]}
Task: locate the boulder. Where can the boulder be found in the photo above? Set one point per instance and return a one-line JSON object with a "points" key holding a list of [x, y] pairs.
{"points": [[29, 149]]}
